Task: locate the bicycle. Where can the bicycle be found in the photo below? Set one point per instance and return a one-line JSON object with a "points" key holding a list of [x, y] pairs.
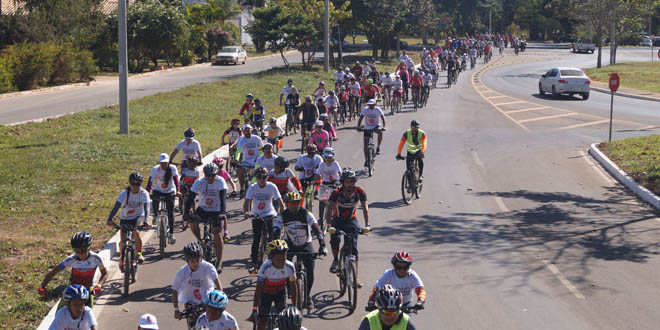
{"points": [[371, 150], [387, 97], [291, 122], [162, 226], [303, 295], [404, 309], [342, 113], [425, 95], [207, 242], [325, 190], [271, 321], [305, 143], [410, 183], [308, 194], [128, 258], [415, 96], [347, 269], [264, 238], [192, 313], [396, 103]]}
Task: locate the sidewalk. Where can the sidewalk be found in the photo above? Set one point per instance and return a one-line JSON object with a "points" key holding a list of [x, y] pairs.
{"points": [[626, 92]]}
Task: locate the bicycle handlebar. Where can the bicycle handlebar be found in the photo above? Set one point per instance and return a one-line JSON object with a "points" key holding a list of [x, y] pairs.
{"points": [[405, 309], [193, 311]]}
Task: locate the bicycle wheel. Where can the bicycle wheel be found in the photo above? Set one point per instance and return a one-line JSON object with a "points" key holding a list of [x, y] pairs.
{"points": [[162, 239], [370, 161], [309, 198], [261, 256], [406, 190], [418, 184], [128, 268], [351, 280]]}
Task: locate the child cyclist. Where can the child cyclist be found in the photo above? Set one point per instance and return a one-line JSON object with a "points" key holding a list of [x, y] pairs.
{"points": [[233, 132], [215, 316], [83, 265], [189, 174], [274, 134], [75, 315], [220, 162]]}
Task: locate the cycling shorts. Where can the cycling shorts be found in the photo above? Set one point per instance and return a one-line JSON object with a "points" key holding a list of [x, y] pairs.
{"points": [[135, 222], [368, 133], [206, 216]]}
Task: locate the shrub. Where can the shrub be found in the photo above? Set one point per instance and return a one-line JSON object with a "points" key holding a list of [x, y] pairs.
{"points": [[31, 64], [217, 38], [6, 76], [86, 65], [64, 65]]}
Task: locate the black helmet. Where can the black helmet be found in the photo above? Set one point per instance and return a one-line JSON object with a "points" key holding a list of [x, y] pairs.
{"points": [[210, 169], [257, 100], [290, 319], [261, 173], [282, 162], [192, 251], [189, 133], [81, 240], [135, 177], [347, 173], [414, 123]]}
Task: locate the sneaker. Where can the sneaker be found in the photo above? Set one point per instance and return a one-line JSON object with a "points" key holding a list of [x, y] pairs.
{"points": [[172, 239], [366, 164], [219, 268], [140, 258], [420, 179], [226, 237], [333, 268], [153, 221], [252, 270], [378, 150], [359, 284]]}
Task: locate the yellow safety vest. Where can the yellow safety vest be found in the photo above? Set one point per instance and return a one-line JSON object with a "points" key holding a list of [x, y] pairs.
{"points": [[374, 322], [412, 147]]}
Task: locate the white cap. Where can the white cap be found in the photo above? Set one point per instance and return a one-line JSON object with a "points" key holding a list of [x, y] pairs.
{"points": [[164, 158], [148, 321], [371, 101], [247, 126]]}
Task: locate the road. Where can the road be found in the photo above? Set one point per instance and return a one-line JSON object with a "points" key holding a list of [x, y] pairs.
{"points": [[517, 228]]}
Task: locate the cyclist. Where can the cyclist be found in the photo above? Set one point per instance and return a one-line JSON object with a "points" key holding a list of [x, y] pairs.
{"points": [[320, 104], [357, 70], [373, 91], [331, 103], [373, 115], [74, 315], [415, 140], [386, 81], [286, 90], [234, 132], [212, 191], [405, 79], [433, 68], [403, 279], [410, 64], [291, 106], [427, 81], [283, 177], [164, 178], [259, 115], [397, 86], [343, 209], [343, 99], [338, 77], [193, 281], [319, 137], [134, 204], [327, 126], [274, 134], [329, 172], [309, 113], [296, 224], [148, 322], [188, 176], [366, 70], [189, 147], [271, 283], [220, 162], [259, 201], [290, 319], [451, 69], [247, 145], [83, 265], [247, 108], [215, 316], [267, 159], [354, 94], [307, 164], [389, 314], [320, 91], [473, 56], [416, 83]]}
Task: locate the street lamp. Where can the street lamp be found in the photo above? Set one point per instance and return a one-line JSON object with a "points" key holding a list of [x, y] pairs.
{"points": [[123, 68]]}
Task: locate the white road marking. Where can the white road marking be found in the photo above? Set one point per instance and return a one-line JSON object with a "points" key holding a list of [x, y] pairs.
{"points": [[549, 117], [477, 160], [584, 124], [499, 202], [497, 97], [563, 279]]}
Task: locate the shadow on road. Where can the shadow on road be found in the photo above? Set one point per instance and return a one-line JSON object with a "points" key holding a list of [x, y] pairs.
{"points": [[114, 287], [242, 289], [327, 307]]}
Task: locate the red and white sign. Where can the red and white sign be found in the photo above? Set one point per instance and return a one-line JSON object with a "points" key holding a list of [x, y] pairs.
{"points": [[614, 82], [658, 53]]}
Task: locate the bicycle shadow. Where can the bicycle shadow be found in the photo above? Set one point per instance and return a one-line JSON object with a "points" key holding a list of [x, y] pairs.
{"points": [[327, 307], [243, 238], [242, 289], [113, 294], [388, 205]]}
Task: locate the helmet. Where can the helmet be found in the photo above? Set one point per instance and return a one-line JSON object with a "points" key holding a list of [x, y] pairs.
{"points": [[282, 162], [416, 72], [389, 298], [347, 69], [193, 160], [321, 82], [261, 173], [387, 73], [216, 299], [402, 256], [236, 120], [370, 81], [219, 161], [342, 87], [189, 133], [328, 152], [135, 177], [311, 148], [75, 291], [249, 96], [290, 319], [192, 251], [331, 92], [347, 173], [257, 100], [81, 239], [324, 116], [210, 169], [276, 246], [318, 123], [273, 120], [292, 196], [414, 123], [267, 145], [371, 102]]}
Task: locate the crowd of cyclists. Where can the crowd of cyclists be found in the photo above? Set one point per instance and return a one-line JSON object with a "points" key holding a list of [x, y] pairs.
{"points": [[274, 198]]}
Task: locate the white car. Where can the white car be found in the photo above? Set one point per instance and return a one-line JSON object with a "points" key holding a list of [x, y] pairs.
{"points": [[566, 80], [231, 54], [646, 41]]}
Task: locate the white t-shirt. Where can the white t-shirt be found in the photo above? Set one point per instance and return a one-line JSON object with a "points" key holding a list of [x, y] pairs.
{"points": [[192, 287], [308, 164], [63, 320], [331, 101], [406, 284], [410, 64], [250, 148], [226, 321], [209, 194], [189, 150], [366, 70], [386, 81], [268, 163], [397, 84], [262, 199], [428, 79], [354, 89], [372, 117], [158, 179], [338, 75], [133, 207], [286, 90], [329, 173]]}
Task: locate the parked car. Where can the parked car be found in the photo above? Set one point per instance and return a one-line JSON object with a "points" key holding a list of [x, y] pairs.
{"points": [[231, 54], [403, 44], [565, 80], [335, 43], [646, 41], [656, 41], [583, 46]]}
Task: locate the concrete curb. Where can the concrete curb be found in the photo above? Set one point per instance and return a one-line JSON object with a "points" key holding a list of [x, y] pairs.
{"points": [[623, 177], [632, 96]]}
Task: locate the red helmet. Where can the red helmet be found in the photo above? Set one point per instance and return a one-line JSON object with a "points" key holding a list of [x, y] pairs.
{"points": [[219, 161], [311, 148], [402, 256]]}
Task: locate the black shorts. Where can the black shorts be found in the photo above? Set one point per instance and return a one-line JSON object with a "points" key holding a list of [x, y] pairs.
{"points": [[267, 301], [368, 133], [136, 222], [308, 125], [206, 216]]}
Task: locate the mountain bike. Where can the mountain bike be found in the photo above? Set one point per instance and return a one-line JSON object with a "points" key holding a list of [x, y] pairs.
{"points": [[341, 112], [325, 190], [128, 257], [371, 150], [347, 269], [303, 295], [425, 97], [416, 101], [308, 193], [411, 186], [291, 122], [192, 313], [207, 242], [162, 227], [266, 229], [396, 102]]}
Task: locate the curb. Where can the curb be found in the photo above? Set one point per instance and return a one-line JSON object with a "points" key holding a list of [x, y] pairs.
{"points": [[623, 177], [632, 96], [111, 248]]}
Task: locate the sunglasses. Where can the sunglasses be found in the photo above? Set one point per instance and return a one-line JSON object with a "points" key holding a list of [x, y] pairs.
{"points": [[397, 267], [389, 313], [136, 183], [81, 250]]}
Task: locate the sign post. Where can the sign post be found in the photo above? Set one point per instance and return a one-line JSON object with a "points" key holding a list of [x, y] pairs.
{"points": [[653, 36], [614, 86], [123, 68]]}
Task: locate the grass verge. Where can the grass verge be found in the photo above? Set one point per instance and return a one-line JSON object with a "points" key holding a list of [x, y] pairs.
{"points": [[638, 75], [639, 157], [63, 175]]}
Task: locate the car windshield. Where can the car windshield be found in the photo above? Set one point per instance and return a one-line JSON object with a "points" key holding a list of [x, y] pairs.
{"points": [[229, 49], [571, 73]]}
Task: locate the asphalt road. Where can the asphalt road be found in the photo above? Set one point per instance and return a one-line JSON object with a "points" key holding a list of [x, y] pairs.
{"points": [[517, 228]]}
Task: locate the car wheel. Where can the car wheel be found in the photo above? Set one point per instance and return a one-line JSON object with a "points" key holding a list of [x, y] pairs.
{"points": [[554, 92], [244, 59], [585, 96], [541, 91]]}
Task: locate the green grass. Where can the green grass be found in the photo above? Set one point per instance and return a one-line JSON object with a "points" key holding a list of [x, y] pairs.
{"points": [[359, 40], [643, 75], [639, 157]]}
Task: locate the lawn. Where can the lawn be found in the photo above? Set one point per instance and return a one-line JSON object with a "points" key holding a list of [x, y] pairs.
{"points": [[639, 75], [639, 157]]}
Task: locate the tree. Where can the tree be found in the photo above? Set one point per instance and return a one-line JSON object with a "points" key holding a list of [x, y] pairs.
{"points": [[380, 20], [266, 27]]}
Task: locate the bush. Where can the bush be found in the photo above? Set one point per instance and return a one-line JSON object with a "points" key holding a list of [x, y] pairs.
{"points": [[86, 65], [31, 64], [6, 77], [217, 38]]}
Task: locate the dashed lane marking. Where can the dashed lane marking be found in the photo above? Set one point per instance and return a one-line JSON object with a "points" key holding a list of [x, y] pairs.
{"points": [[548, 117], [563, 279]]}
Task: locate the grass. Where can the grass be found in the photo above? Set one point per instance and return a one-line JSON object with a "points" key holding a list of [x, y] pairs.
{"points": [[639, 157], [359, 40], [63, 175], [642, 75]]}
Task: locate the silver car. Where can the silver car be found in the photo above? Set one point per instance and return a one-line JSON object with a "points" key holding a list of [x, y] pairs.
{"points": [[566, 80], [231, 54]]}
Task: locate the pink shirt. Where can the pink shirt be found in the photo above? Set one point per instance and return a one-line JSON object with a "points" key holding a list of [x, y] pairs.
{"points": [[223, 174], [321, 140]]}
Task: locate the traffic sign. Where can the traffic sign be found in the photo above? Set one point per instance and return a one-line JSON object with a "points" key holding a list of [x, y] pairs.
{"points": [[658, 53], [614, 82]]}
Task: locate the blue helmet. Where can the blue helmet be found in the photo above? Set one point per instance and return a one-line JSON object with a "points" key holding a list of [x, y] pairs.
{"points": [[216, 299], [75, 291]]}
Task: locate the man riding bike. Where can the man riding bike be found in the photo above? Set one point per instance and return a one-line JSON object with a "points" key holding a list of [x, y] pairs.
{"points": [[417, 81], [310, 113], [373, 91], [307, 164], [373, 115], [389, 314], [404, 279], [189, 147], [283, 177], [415, 140], [248, 146]]}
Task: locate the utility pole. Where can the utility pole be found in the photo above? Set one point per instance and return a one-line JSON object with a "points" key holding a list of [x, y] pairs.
{"points": [[326, 38], [123, 69], [612, 34], [490, 21]]}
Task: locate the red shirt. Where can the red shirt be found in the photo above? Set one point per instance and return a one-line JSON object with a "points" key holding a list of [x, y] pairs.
{"points": [[246, 107], [372, 90], [346, 207], [416, 81]]}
